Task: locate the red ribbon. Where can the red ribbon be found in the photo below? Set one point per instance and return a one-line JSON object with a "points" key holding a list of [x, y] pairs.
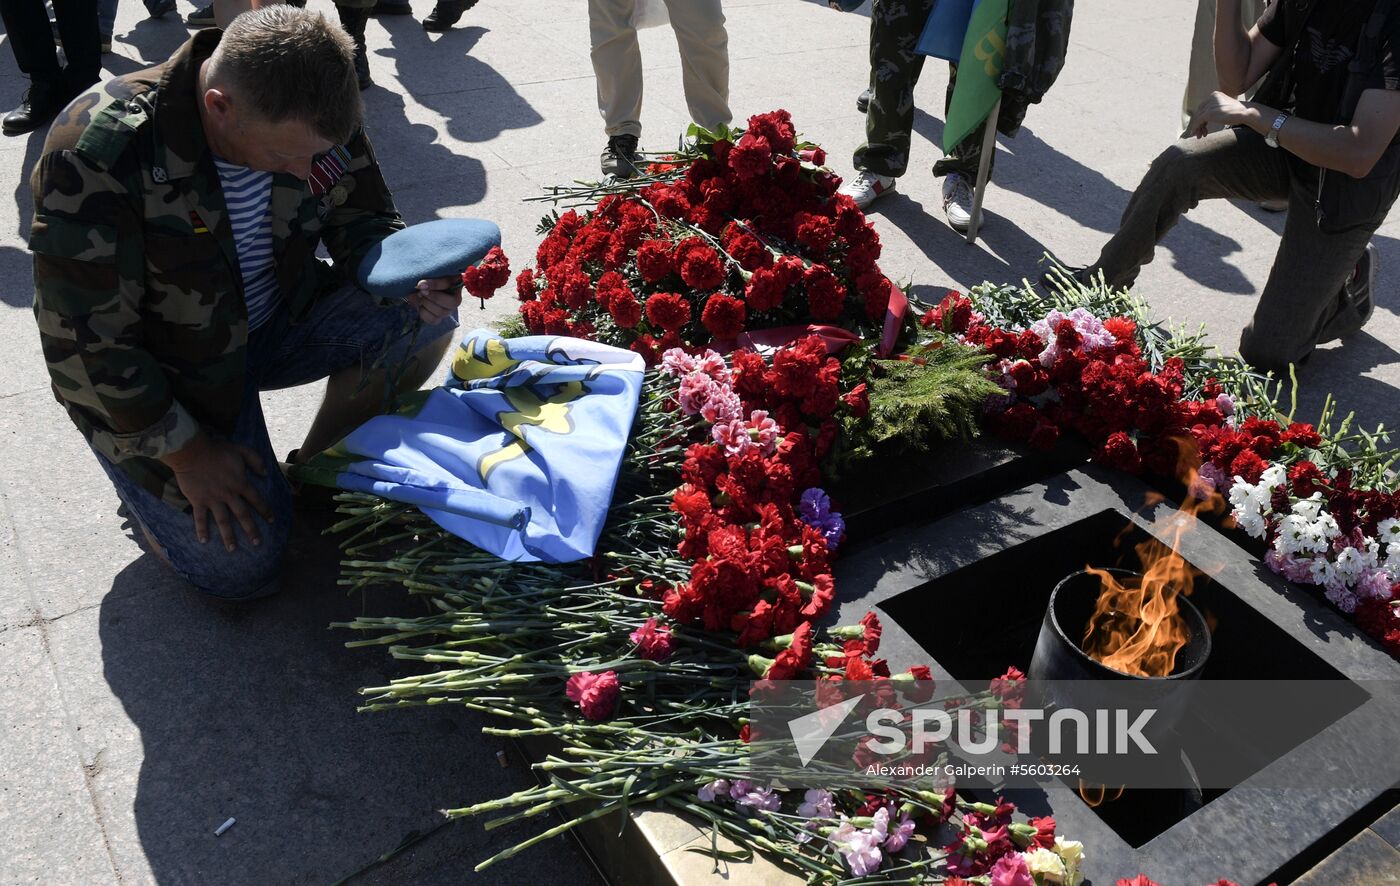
{"points": [[894, 320], [836, 338]]}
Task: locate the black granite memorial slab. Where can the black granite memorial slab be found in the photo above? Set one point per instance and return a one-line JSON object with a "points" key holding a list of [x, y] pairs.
{"points": [[967, 594]]}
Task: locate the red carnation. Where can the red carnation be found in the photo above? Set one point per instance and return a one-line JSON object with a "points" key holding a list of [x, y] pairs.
{"points": [[653, 641], [1305, 478], [815, 233], [1300, 434], [1248, 466], [596, 694], [576, 289], [953, 315], [751, 157], [777, 129], [745, 248], [923, 687], [825, 294], [1139, 880], [792, 661], [525, 285], [668, 311], [626, 311], [858, 400], [723, 316], [1119, 452], [700, 265], [654, 261], [490, 274]]}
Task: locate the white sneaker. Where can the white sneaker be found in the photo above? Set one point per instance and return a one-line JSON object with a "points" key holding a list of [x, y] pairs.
{"points": [[957, 201], [866, 187]]}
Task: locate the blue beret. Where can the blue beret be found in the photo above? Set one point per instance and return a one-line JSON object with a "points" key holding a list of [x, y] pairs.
{"points": [[442, 248]]}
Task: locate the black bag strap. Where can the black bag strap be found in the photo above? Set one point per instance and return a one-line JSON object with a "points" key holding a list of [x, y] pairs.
{"points": [[1277, 88]]}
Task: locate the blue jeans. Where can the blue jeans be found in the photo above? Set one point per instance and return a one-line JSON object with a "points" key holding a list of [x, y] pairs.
{"points": [[345, 329]]}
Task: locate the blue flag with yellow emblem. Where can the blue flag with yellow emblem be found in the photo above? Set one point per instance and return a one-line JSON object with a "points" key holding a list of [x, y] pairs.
{"points": [[517, 453]]}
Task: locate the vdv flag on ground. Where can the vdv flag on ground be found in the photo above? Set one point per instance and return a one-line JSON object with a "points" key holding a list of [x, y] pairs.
{"points": [[979, 69], [517, 453]]}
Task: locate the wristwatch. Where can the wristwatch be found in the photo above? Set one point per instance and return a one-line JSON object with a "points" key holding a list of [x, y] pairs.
{"points": [[1271, 138]]}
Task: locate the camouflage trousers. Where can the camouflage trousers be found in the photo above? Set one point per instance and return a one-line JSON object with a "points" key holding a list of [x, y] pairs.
{"points": [[895, 26]]}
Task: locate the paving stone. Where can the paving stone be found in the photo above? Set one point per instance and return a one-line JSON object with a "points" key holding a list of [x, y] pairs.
{"points": [[48, 824]]}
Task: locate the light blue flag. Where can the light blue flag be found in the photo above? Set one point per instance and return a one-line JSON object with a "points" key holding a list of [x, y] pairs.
{"points": [[943, 33], [517, 453]]}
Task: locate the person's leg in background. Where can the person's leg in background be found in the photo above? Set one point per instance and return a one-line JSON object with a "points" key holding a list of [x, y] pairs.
{"points": [[106, 21], [895, 26], [959, 168], [1230, 163], [354, 15], [444, 15], [704, 47], [617, 67], [1307, 300], [31, 39]]}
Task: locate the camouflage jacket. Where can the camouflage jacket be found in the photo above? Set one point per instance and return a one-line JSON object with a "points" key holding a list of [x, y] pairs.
{"points": [[137, 290]]}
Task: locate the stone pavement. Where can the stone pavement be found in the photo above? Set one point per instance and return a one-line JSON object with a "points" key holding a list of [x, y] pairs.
{"points": [[135, 718]]}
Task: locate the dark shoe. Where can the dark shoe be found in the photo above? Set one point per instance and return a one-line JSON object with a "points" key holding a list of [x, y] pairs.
{"points": [[202, 17], [353, 21], [446, 13], [1274, 205], [383, 8], [863, 101], [40, 105], [620, 158], [159, 8]]}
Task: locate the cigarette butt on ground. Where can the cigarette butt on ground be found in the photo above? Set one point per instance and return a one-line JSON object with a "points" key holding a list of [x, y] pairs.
{"points": [[501, 758], [219, 832]]}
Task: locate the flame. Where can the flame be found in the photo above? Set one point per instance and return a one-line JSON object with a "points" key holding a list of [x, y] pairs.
{"points": [[1137, 627], [1097, 794]]}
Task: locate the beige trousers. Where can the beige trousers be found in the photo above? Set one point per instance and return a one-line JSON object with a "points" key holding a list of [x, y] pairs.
{"points": [[617, 62], [1201, 81]]}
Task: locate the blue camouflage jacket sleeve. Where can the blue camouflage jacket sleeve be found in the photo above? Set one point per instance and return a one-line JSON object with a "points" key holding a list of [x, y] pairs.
{"points": [[89, 271]]}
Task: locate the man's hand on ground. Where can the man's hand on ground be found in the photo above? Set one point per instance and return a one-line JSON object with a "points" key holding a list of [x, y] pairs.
{"points": [[213, 475], [437, 298]]}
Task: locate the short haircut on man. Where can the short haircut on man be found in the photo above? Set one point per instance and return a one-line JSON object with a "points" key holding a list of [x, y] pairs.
{"points": [[291, 64]]}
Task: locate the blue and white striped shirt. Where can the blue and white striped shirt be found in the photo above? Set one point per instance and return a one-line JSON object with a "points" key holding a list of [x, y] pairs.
{"points": [[248, 196]]}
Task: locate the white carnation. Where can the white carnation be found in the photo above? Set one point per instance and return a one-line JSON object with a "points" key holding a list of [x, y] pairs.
{"points": [[1251, 523], [1044, 865], [1308, 508], [1071, 852]]}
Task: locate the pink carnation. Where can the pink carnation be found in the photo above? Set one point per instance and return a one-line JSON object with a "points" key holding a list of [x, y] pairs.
{"points": [[722, 405], [734, 436], [653, 641], [596, 694], [713, 365], [677, 362], [696, 390], [765, 431]]}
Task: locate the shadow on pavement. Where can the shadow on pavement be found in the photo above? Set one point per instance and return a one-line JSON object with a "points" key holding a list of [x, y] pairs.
{"points": [[248, 711]]}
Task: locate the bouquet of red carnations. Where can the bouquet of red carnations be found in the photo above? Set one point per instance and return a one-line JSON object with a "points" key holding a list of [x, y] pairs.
{"points": [[739, 231]]}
